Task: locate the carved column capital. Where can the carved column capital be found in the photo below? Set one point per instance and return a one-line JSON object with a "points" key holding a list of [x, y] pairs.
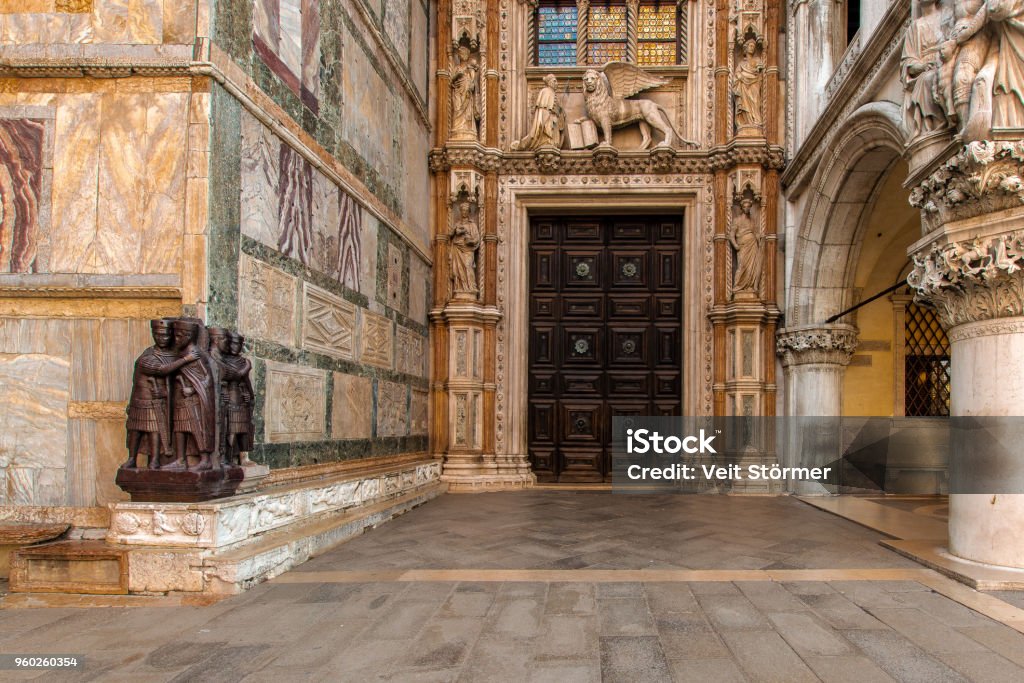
{"points": [[971, 280], [816, 344], [983, 177]]}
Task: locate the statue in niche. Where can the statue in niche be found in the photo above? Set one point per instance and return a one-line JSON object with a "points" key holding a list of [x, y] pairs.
{"points": [[1007, 17], [920, 68], [465, 114], [464, 243], [194, 407], [746, 88], [548, 127], [606, 93], [746, 241], [149, 429]]}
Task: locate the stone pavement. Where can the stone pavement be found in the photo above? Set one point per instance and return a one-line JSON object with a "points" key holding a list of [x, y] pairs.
{"points": [[564, 586]]}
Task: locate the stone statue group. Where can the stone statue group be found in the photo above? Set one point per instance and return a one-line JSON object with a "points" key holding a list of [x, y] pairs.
{"points": [[963, 67], [192, 399]]}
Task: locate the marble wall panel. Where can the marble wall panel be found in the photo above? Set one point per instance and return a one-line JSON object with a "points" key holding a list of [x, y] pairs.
{"points": [[76, 163], [295, 206], [33, 423], [351, 417], [286, 36], [128, 21], [266, 302], [290, 45], [418, 413], [419, 289], [369, 234], [261, 152], [295, 403], [419, 47], [392, 409], [396, 26], [309, 72], [179, 22], [22, 190], [377, 340], [329, 323], [373, 121]]}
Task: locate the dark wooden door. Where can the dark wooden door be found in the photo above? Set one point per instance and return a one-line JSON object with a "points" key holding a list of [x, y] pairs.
{"points": [[605, 335]]}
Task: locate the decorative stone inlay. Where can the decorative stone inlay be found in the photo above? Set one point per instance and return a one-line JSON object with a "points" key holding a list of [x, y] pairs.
{"points": [[350, 415], [377, 340], [329, 323], [392, 409], [830, 344], [295, 403], [967, 281], [266, 302], [983, 177], [410, 352]]}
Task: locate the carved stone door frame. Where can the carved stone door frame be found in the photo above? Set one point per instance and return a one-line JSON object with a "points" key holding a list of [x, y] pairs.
{"points": [[522, 196]]}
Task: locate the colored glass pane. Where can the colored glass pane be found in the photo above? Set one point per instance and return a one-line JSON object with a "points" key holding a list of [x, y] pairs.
{"points": [[556, 54], [608, 23], [556, 23], [607, 52], [656, 23], [656, 54]]}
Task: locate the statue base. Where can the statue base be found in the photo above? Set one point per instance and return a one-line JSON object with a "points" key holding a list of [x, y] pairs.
{"points": [[178, 486]]}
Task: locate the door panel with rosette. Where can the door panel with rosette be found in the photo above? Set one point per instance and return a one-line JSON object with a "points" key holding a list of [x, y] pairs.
{"points": [[605, 330]]}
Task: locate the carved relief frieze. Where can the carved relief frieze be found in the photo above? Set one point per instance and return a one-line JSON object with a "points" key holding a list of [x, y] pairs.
{"points": [[411, 352], [329, 323], [983, 177], [831, 344], [392, 409], [968, 281]]}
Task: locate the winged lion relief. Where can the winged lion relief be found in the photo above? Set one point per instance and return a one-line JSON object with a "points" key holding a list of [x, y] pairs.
{"points": [[606, 96]]}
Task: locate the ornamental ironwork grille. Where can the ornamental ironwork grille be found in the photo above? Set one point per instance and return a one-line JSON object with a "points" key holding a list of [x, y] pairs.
{"points": [[647, 34], [926, 364]]}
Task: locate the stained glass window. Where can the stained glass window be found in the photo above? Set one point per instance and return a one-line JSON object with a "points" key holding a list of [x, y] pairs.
{"points": [[657, 29], [656, 32], [607, 34], [556, 35]]}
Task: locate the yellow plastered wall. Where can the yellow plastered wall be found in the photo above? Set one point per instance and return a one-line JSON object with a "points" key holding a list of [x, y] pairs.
{"points": [[891, 225]]}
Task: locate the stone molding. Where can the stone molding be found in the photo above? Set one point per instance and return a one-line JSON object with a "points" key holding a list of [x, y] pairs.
{"points": [[604, 160], [986, 328], [816, 344], [972, 280], [983, 177]]}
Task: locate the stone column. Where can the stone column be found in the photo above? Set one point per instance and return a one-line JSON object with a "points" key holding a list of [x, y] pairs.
{"points": [[970, 266], [814, 358]]}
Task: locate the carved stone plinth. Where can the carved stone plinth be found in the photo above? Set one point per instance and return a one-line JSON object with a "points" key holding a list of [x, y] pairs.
{"points": [[186, 486], [972, 271]]}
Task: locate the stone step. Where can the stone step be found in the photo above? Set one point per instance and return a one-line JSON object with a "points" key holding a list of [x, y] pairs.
{"points": [[87, 567]]}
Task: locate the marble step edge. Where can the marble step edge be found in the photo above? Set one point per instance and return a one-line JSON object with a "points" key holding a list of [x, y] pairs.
{"points": [[240, 519]]}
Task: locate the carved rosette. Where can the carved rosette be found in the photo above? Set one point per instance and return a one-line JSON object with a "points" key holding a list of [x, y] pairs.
{"points": [[973, 280], [982, 178], [816, 344]]}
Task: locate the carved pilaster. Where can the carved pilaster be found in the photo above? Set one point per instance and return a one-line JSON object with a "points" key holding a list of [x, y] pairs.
{"points": [[816, 345], [632, 12], [582, 30]]}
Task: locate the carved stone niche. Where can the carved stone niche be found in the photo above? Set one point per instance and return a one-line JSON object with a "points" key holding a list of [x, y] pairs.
{"points": [[465, 237], [746, 238], [467, 23], [464, 86], [748, 80]]}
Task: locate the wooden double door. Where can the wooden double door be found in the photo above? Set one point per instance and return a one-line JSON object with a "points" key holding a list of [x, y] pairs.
{"points": [[605, 335]]}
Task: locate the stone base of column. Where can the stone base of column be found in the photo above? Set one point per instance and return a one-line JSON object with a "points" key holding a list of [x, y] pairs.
{"points": [[487, 473]]}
